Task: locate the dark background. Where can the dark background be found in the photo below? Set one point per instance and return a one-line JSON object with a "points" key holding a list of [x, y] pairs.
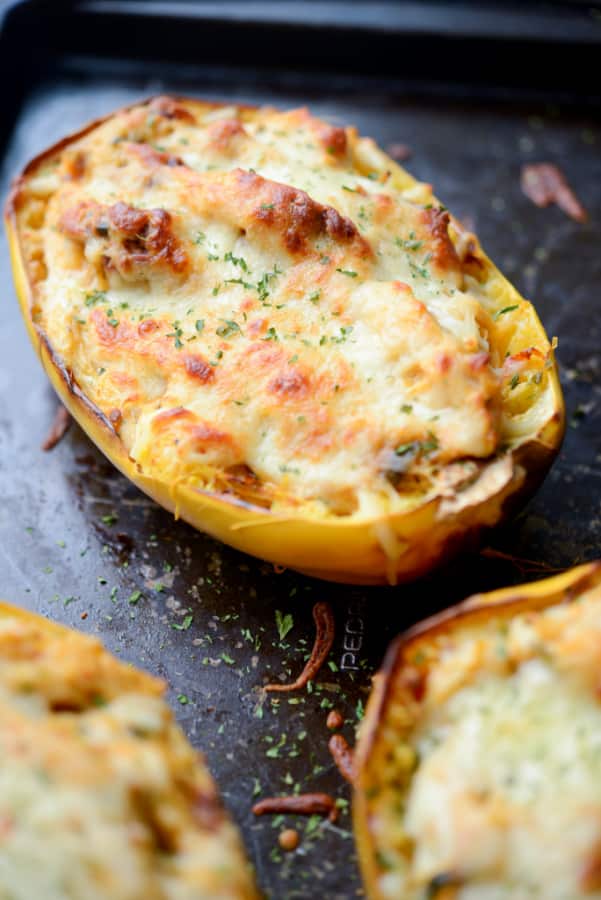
{"points": [[475, 90]]}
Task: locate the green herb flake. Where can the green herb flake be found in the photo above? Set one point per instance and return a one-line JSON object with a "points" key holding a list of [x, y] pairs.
{"points": [[199, 325], [110, 519], [284, 623], [245, 284], [514, 382], [348, 272], [176, 334], [134, 597], [95, 297], [505, 309], [228, 328], [430, 444], [403, 449], [183, 699], [185, 623], [228, 659], [236, 260]]}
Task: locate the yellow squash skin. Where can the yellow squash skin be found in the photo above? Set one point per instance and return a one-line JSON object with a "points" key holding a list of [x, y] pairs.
{"points": [[102, 797], [460, 830], [373, 545]]}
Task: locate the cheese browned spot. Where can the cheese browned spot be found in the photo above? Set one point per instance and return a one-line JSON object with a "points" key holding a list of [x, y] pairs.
{"points": [[101, 795], [253, 269]]}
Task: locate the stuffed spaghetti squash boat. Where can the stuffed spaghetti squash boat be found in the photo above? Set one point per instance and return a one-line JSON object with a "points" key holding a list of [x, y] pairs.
{"points": [[101, 796], [479, 759], [280, 335]]}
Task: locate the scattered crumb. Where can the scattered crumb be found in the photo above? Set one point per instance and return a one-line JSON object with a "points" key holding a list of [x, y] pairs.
{"points": [[335, 720], [288, 839]]}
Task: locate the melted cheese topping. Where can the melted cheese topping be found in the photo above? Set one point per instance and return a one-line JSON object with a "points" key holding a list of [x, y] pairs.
{"points": [[101, 796], [256, 304], [505, 802]]}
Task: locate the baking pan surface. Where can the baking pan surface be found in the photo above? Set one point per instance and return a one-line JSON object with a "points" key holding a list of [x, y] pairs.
{"points": [[80, 544]]}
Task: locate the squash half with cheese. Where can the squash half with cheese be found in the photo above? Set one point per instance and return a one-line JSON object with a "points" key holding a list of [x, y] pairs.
{"points": [[101, 795], [280, 335], [479, 758]]}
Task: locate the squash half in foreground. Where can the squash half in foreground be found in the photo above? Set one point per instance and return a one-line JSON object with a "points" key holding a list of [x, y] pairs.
{"points": [[479, 758], [280, 335], [101, 795]]}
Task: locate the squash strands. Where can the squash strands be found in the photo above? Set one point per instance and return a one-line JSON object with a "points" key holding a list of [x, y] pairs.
{"points": [[280, 335], [478, 766], [102, 797]]}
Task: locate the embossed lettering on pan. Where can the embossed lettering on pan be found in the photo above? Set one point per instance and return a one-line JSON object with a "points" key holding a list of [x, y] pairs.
{"points": [[280, 335]]}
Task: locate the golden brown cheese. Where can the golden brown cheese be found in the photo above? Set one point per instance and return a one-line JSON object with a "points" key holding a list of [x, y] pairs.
{"points": [[480, 759], [101, 796], [256, 306]]}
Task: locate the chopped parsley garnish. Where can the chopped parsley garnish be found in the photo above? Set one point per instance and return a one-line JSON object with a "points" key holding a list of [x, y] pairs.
{"points": [[348, 272], [228, 328], [236, 260], [418, 270], [410, 244], [431, 444], [95, 297], [425, 447], [406, 408], [183, 699], [200, 236], [271, 335], [403, 449], [284, 623], [344, 333], [184, 624], [266, 205], [134, 597], [351, 190], [199, 325], [176, 334], [314, 297], [505, 309], [245, 284], [263, 283], [514, 382]]}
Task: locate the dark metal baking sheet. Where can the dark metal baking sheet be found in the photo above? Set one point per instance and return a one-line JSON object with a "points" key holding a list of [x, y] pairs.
{"points": [[77, 541]]}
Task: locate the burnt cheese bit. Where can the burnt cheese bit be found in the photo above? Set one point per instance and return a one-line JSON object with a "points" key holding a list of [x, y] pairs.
{"points": [[296, 216], [169, 108], [150, 156], [224, 135], [198, 368], [135, 238], [440, 245], [332, 139]]}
